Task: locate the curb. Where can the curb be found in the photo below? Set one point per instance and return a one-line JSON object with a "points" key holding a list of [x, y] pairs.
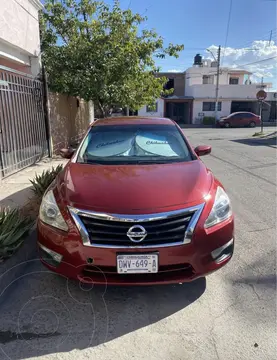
{"points": [[15, 266]]}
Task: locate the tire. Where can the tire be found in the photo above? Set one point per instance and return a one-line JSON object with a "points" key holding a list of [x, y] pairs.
{"points": [[227, 125], [252, 124]]}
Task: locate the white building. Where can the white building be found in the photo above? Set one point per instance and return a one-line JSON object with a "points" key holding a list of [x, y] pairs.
{"points": [[236, 93], [19, 35], [155, 112]]}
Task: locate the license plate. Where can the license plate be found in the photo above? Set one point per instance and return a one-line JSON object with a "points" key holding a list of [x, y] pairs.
{"points": [[137, 264]]}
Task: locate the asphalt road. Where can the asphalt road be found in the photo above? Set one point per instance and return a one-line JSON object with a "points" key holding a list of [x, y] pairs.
{"points": [[229, 315]]}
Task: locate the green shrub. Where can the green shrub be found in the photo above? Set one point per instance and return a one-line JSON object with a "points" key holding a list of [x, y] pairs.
{"points": [[208, 120], [12, 228], [257, 134], [41, 182]]}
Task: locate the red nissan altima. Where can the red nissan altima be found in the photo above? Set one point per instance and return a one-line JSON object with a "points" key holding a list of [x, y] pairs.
{"points": [[134, 206]]}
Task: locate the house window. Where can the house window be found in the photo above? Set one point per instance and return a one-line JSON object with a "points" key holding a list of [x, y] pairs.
{"points": [[151, 108], [169, 85], [208, 79], [233, 81], [210, 106]]}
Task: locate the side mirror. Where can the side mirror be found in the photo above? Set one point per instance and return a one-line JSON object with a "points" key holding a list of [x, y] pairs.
{"points": [[67, 153], [202, 150]]}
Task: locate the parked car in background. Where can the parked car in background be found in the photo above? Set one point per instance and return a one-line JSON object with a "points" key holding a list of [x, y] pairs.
{"points": [[135, 205], [238, 119]]}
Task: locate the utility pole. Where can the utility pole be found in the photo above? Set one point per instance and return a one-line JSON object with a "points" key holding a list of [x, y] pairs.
{"points": [[270, 38], [261, 108], [217, 82]]}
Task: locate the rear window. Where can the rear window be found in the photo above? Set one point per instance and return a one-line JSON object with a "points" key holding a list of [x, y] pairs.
{"points": [[131, 144]]}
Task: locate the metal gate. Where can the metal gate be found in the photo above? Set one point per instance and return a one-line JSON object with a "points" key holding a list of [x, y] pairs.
{"points": [[23, 135]]}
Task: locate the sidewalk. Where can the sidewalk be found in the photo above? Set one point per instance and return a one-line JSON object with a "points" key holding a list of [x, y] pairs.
{"points": [[15, 190]]}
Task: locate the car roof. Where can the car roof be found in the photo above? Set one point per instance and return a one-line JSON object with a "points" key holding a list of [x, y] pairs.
{"points": [[130, 120], [242, 112]]}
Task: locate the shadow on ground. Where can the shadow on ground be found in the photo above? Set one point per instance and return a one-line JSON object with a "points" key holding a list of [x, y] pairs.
{"points": [[255, 283], [18, 198], [267, 281], [266, 141], [43, 313]]}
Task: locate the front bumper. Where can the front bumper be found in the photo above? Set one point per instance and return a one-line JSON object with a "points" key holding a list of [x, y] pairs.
{"points": [[219, 123], [177, 264]]}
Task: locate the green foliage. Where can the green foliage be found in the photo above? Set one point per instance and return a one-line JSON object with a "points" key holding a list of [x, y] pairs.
{"points": [[13, 226], [96, 51], [42, 182], [208, 120], [257, 134]]}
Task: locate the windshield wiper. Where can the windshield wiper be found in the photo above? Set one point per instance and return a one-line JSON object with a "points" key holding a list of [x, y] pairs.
{"points": [[131, 161], [92, 162], [156, 161]]}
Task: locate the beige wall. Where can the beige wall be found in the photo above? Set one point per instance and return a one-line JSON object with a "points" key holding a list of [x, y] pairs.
{"points": [[179, 85], [179, 81], [68, 122]]}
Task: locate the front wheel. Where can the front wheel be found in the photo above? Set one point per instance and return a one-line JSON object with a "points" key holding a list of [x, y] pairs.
{"points": [[252, 124], [227, 125]]}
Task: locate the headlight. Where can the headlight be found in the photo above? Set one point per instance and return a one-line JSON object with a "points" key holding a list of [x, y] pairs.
{"points": [[49, 212], [221, 209]]}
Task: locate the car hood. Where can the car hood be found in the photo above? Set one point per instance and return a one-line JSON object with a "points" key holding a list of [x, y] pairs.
{"points": [[134, 188]]}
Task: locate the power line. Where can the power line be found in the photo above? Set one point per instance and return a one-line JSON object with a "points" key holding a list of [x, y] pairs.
{"points": [[259, 61], [264, 37], [227, 30]]}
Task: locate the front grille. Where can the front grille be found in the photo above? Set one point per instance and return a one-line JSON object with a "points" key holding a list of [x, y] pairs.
{"points": [[105, 232], [91, 269], [108, 275]]}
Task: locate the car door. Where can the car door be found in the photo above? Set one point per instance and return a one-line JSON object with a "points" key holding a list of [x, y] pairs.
{"points": [[236, 120], [246, 119]]}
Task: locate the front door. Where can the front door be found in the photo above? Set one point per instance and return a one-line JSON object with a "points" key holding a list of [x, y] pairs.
{"points": [[176, 111]]}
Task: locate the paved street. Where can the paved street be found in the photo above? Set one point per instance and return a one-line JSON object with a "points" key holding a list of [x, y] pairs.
{"points": [[230, 315]]}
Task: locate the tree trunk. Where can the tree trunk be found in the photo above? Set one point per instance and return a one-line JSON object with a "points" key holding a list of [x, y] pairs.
{"points": [[91, 111], [102, 110]]}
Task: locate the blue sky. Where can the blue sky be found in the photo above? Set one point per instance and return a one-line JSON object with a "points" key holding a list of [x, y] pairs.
{"points": [[200, 24]]}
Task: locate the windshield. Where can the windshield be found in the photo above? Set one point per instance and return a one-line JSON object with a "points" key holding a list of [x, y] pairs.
{"points": [[134, 144]]}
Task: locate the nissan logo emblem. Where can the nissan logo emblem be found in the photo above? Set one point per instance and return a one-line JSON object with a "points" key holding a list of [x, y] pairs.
{"points": [[137, 233]]}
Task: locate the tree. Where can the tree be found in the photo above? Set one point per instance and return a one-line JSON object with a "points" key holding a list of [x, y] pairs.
{"points": [[97, 52]]}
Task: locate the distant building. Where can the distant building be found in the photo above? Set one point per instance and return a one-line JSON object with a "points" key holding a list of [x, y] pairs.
{"points": [[195, 90], [176, 106], [236, 91]]}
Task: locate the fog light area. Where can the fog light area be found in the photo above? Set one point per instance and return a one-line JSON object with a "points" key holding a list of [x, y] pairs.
{"points": [[222, 253], [49, 256]]}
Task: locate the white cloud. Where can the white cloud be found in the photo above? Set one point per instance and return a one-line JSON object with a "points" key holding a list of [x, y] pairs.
{"points": [[173, 70], [238, 58]]}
